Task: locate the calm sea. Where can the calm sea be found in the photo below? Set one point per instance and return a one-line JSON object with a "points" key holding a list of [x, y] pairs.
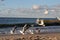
{"points": [[22, 20]]}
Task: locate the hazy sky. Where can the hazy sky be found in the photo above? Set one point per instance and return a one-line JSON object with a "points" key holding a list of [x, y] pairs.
{"points": [[28, 3], [24, 4]]}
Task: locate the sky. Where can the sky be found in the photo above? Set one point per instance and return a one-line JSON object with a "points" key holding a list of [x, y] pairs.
{"points": [[6, 4], [27, 3]]}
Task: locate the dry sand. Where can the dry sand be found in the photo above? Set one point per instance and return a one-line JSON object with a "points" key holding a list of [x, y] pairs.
{"points": [[47, 36]]}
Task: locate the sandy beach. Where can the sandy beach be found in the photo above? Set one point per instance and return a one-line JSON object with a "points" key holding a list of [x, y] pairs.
{"points": [[45, 36]]}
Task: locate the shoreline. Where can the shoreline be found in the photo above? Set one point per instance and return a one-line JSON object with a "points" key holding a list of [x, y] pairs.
{"points": [[51, 36]]}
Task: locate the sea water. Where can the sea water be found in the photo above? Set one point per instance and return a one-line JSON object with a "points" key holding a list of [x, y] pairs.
{"points": [[48, 29]]}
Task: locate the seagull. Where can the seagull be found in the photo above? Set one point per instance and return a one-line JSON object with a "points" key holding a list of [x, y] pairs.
{"points": [[13, 30], [46, 11], [42, 22], [24, 29], [58, 18]]}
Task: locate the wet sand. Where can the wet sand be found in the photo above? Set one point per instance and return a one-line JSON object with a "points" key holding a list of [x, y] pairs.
{"points": [[45, 36]]}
